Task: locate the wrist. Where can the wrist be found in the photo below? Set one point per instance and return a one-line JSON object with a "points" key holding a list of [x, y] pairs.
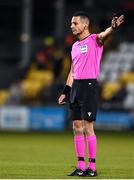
{"points": [[66, 90], [113, 28]]}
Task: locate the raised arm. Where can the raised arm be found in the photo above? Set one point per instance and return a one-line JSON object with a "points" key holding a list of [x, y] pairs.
{"points": [[115, 23]]}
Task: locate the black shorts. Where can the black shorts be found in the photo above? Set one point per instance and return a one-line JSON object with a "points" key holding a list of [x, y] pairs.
{"points": [[84, 99]]}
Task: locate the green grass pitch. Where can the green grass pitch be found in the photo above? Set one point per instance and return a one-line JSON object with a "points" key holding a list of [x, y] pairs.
{"points": [[51, 155]]}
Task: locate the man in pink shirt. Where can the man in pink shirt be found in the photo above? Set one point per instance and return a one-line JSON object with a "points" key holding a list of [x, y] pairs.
{"points": [[83, 88]]}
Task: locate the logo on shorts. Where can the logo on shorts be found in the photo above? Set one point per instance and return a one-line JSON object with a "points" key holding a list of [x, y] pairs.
{"points": [[83, 49], [89, 113]]}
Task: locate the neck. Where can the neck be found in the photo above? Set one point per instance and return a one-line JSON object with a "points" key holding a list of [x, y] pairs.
{"points": [[83, 35]]}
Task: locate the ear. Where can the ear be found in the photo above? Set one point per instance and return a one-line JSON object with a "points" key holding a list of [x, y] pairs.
{"points": [[86, 25]]}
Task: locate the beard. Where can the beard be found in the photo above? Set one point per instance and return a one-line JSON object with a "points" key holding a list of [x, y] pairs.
{"points": [[77, 33]]}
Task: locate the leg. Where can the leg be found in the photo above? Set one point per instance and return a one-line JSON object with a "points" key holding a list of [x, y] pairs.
{"points": [[78, 127], [89, 110], [86, 109], [79, 142], [91, 144]]}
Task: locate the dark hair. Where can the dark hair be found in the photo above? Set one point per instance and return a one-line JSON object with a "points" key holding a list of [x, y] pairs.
{"points": [[81, 14]]}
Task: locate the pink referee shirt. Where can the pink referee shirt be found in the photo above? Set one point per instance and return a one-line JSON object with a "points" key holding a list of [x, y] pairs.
{"points": [[86, 57]]}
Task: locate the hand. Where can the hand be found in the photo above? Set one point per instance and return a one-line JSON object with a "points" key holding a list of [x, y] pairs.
{"points": [[61, 99], [117, 21]]}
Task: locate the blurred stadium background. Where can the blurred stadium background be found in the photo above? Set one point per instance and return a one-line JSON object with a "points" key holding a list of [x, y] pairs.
{"points": [[35, 44]]}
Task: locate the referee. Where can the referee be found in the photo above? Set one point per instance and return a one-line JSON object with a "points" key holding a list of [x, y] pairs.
{"points": [[83, 88]]}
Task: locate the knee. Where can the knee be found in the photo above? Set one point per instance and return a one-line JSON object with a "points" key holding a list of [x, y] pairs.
{"points": [[78, 128], [89, 129], [89, 132]]}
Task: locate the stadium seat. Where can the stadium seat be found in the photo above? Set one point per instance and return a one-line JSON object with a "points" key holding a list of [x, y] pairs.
{"points": [[35, 81], [110, 89], [31, 88], [129, 100], [115, 64], [127, 78], [43, 76], [4, 94]]}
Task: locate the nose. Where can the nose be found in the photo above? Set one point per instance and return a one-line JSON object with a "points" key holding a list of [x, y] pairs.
{"points": [[71, 26]]}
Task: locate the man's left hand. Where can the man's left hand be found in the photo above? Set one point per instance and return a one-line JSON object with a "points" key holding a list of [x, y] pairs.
{"points": [[117, 21]]}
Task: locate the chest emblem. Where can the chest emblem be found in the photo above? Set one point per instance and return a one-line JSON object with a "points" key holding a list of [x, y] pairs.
{"points": [[83, 49]]}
